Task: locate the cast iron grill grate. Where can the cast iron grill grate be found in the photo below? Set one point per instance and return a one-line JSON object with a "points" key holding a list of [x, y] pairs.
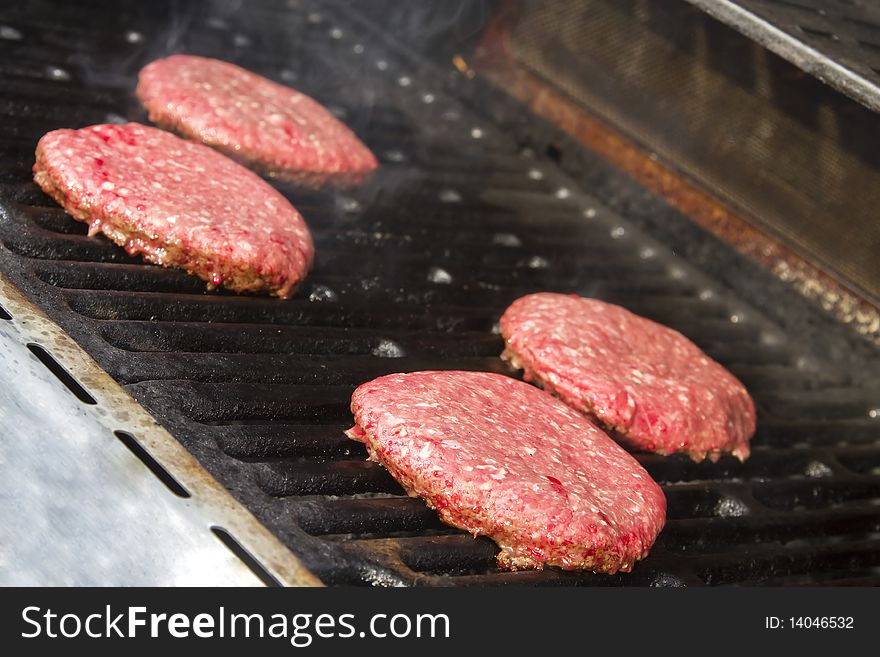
{"points": [[412, 272]]}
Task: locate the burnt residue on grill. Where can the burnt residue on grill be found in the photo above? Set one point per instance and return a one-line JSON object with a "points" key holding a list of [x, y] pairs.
{"points": [[412, 272]]}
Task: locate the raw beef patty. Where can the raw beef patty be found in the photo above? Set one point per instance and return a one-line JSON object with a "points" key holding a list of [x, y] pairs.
{"points": [[281, 131], [650, 384], [177, 203], [498, 457]]}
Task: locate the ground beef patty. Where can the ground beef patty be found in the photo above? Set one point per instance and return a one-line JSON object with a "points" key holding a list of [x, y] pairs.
{"points": [[648, 383], [177, 203], [281, 131], [497, 457]]}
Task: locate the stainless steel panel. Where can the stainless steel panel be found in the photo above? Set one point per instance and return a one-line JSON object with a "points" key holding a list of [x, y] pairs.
{"points": [[77, 507]]}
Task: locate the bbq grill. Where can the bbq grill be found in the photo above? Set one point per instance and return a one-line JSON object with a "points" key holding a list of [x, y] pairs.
{"points": [[477, 202]]}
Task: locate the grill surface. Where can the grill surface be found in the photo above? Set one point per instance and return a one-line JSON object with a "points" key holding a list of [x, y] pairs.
{"points": [[412, 272]]}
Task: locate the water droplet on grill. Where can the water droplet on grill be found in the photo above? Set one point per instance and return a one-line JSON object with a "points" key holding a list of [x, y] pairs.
{"points": [[288, 76], [450, 196], [382, 65], [217, 23], [817, 469], [506, 239], [562, 192], [647, 253], [56, 73], [537, 262], [335, 33], [388, 349], [705, 295], [314, 18], [590, 213], [617, 232], [322, 293], [477, 133], [358, 49], [535, 174], [496, 328], [438, 275], [676, 272], [241, 40], [451, 115], [348, 204], [394, 156], [115, 119], [134, 37], [735, 319], [874, 413], [404, 81], [730, 507], [428, 99], [769, 338], [10, 33]]}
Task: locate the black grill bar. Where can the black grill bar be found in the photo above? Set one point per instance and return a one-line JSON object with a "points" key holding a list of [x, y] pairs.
{"points": [[412, 272]]}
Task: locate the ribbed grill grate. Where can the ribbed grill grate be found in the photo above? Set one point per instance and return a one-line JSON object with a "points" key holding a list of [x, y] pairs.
{"points": [[412, 272]]}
